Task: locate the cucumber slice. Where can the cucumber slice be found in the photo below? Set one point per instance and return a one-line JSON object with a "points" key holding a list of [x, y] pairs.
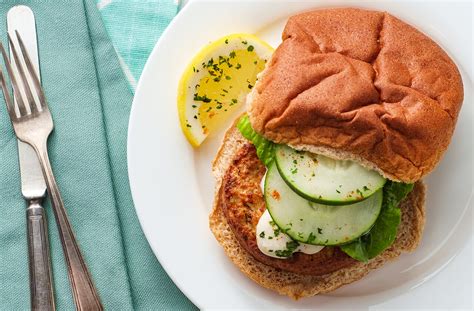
{"points": [[324, 180], [314, 223]]}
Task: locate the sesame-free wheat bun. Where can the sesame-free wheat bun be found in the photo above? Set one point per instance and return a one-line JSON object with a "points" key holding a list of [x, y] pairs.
{"points": [[361, 85]]}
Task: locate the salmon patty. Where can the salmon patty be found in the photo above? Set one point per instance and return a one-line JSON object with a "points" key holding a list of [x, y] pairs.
{"points": [[243, 204]]}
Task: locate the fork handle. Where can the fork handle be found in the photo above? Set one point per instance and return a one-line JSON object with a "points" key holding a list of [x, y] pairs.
{"points": [[84, 292], [41, 285]]}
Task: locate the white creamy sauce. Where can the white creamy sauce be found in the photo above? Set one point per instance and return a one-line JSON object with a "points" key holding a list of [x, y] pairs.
{"points": [[271, 241]]}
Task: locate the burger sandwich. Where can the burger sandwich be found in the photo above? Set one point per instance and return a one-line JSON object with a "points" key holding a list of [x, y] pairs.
{"points": [[320, 181]]}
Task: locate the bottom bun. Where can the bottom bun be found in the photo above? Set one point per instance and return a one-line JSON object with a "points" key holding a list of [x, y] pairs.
{"points": [[297, 285]]}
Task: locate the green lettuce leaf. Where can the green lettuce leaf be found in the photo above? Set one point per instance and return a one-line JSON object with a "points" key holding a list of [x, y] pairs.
{"points": [[384, 231], [265, 148]]}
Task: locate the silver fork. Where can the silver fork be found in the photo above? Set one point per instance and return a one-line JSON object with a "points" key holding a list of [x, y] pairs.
{"points": [[34, 128]]}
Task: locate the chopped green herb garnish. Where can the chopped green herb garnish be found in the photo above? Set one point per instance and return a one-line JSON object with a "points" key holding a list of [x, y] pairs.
{"points": [[291, 246], [238, 66], [227, 78], [250, 48], [262, 234], [201, 98], [226, 41], [320, 231], [311, 238], [276, 232], [232, 54], [338, 191]]}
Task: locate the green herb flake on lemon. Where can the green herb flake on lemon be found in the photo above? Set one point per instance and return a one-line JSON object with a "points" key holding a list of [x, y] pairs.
{"points": [[217, 81]]}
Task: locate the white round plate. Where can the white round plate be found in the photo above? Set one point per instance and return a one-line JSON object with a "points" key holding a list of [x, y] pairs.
{"points": [[173, 188]]}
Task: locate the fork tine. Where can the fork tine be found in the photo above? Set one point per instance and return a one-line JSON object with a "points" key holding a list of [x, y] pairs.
{"points": [[16, 90], [29, 96], [6, 95], [31, 70]]}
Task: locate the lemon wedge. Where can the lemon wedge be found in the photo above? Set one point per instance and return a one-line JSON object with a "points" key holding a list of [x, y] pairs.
{"points": [[217, 81]]}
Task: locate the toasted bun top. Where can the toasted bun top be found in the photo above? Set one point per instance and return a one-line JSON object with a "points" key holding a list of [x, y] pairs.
{"points": [[360, 85]]}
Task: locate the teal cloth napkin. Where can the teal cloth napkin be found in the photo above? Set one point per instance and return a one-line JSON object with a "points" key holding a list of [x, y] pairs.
{"points": [[90, 102], [134, 26]]}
